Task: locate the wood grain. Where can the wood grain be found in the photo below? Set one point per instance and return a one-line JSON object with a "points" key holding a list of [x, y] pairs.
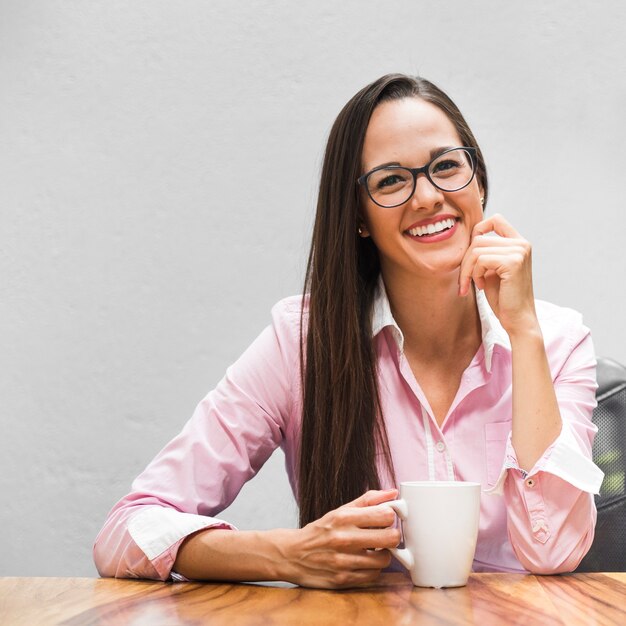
{"points": [[488, 599], [588, 599]]}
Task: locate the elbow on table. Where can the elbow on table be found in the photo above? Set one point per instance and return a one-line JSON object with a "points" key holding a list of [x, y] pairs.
{"points": [[116, 555], [553, 557], [548, 568], [111, 565], [103, 561]]}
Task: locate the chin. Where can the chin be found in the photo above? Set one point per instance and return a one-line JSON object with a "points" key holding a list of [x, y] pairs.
{"points": [[449, 259]]}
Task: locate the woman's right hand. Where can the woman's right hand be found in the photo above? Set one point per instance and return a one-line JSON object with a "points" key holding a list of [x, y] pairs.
{"points": [[346, 547]]}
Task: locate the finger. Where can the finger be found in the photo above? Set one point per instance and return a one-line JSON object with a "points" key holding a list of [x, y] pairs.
{"points": [[509, 262], [489, 264], [373, 497], [481, 281], [497, 224], [377, 516], [367, 539], [329, 560], [489, 241], [362, 559], [339, 579], [381, 539], [509, 253], [494, 224], [506, 252], [466, 271], [345, 580], [467, 266]]}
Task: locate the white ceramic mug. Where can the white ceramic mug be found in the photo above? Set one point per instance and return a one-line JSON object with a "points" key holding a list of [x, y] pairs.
{"points": [[440, 527]]}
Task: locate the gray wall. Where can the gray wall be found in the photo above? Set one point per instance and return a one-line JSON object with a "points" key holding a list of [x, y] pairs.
{"points": [[158, 171]]}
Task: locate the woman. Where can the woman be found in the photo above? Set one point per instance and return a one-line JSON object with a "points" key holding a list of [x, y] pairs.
{"points": [[393, 367]]}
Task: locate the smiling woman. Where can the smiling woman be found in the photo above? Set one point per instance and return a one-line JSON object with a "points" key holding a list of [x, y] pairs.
{"points": [[445, 191], [390, 368]]}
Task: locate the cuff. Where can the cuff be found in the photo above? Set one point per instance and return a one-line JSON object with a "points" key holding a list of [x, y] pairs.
{"points": [[564, 458], [156, 529]]}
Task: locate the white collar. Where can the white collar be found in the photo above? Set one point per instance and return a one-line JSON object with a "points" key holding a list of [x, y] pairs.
{"points": [[492, 331]]}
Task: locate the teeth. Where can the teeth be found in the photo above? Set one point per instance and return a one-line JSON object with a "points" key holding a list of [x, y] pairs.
{"points": [[430, 229]]}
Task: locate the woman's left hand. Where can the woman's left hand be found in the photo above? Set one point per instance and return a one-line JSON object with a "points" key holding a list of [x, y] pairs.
{"points": [[502, 267]]}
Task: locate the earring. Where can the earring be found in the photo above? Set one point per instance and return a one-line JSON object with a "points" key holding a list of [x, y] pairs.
{"points": [[360, 231], [482, 201]]}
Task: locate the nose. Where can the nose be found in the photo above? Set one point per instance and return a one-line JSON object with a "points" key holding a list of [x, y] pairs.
{"points": [[426, 195]]}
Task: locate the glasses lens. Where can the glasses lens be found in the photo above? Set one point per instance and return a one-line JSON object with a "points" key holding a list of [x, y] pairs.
{"points": [[452, 170], [390, 186]]}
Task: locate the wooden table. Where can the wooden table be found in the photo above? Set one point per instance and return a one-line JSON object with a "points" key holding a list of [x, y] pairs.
{"points": [[502, 599]]}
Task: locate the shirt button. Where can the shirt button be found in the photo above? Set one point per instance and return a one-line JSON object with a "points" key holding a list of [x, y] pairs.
{"points": [[441, 446], [538, 525], [530, 483]]}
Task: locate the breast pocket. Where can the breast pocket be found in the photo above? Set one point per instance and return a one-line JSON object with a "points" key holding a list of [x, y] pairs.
{"points": [[496, 435]]}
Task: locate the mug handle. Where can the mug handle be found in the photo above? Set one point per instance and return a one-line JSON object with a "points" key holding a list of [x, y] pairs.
{"points": [[402, 554]]}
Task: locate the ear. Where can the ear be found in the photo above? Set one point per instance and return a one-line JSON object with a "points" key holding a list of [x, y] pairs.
{"points": [[482, 198], [361, 225]]}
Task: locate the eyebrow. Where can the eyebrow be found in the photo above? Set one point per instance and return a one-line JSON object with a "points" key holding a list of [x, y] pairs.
{"points": [[434, 153]]}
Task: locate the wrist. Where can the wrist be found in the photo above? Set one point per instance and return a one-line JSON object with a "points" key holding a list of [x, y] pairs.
{"points": [[277, 553], [528, 332]]}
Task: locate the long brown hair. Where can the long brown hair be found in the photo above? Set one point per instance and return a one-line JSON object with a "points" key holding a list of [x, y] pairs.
{"points": [[342, 425]]}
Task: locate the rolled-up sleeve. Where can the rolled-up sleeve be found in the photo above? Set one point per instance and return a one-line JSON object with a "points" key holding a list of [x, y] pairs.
{"points": [[551, 512], [231, 434]]}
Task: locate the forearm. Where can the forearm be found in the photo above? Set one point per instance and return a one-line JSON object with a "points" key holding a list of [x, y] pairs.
{"points": [[536, 416], [216, 554], [346, 547]]}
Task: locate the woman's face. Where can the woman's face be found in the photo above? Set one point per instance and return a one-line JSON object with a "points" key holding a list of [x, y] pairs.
{"points": [[409, 132]]}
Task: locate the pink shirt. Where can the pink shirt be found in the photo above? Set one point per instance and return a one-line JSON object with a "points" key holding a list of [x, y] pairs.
{"points": [[542, 520]]}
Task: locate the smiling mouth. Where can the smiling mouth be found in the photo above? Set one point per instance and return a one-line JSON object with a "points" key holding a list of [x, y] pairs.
{"points": [[432, 229]]}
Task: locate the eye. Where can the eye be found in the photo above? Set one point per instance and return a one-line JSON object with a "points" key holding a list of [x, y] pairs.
{"points": [[389, 181], [446, 166]]}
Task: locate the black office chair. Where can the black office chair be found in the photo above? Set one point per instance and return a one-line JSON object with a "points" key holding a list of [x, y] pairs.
{"points": [[608, 551]]}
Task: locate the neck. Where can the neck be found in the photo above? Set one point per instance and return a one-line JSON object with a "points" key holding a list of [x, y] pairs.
{"points": [[436, 322]]}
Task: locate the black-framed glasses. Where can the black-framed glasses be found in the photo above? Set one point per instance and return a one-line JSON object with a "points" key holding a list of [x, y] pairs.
{"points": [[391, 185]]}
